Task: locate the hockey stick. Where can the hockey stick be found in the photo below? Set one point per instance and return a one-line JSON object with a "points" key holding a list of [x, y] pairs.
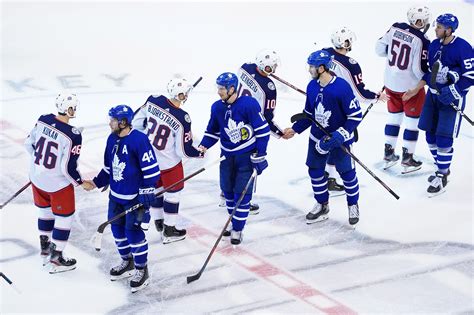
{"points": [[10, 282], [97, 238], [301, 116], [434, 73], [196, 276], [15, 195]]}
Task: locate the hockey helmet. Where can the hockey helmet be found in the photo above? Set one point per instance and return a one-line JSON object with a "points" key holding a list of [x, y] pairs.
{"points": [[419, 13], [320, 58], [227, 80], [448, 20], [64, 101], [121, 112], [177, 86], [343, 38], [267, 61]]}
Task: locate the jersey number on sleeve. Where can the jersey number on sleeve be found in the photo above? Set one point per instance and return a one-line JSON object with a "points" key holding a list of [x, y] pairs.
{"points": [[161, 135], [50, 158], [401, 56]]}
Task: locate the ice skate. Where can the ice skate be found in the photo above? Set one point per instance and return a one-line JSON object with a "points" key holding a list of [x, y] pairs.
{"points": [[140, 279], [437, 185], [45, 249], [172, 234], [390, 157], [430, 179], [159, 225], [318, 213], [353, 214], [254, 208], [59, 263], [235, 237], [124, 270], [409, 163]]}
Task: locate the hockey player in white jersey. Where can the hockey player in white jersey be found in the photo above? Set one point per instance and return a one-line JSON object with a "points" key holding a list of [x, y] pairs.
{"points": [[168, 128], [405, 47], [55, 146], [348, 69]]}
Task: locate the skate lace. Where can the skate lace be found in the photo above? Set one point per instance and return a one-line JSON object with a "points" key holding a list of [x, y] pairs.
{"points": [[437, 181], [138, 275], [123, 265], [354, 211]]}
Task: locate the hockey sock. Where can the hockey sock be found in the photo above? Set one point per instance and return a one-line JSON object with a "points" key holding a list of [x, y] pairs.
{"points": [[156, 210], [351, 186], [410, 134], [431, 140], [123, 247], [392, 128], [61, 231], [241, 213], [320, 185], [445, 153], [229, 201], [45, 222], [139, 247], [171, 207]]}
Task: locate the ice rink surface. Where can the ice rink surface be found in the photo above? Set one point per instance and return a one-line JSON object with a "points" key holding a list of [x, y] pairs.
{"points": [[413, 255]]}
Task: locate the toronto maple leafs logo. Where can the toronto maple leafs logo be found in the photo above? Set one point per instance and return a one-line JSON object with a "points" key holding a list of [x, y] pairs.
{"points": [[233, 130], [117, 169], [322, 116]]}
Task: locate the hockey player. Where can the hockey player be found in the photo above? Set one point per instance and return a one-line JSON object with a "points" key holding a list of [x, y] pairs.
{"points": [[244, 133], [331, 102], [405, 47], [439, 119], [348, 69], [168, 128], [131, 170], [55, 146], [254, 81]]}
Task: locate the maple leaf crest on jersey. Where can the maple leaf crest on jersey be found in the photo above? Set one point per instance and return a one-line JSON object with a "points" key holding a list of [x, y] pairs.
{"points": [[321, 115], [117, 169]]}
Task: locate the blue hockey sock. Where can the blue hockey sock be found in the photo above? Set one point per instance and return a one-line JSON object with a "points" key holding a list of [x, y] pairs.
{"points": [[351, 186], [320, 185], [123, 247], [139, 247], [241, 213]]}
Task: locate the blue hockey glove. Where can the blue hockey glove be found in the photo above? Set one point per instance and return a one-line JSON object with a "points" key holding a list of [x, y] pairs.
{"points": [[318, 146], [449, 94], [336, 140], [146, 196], [259, 162], [453, 76], [142, 218]]}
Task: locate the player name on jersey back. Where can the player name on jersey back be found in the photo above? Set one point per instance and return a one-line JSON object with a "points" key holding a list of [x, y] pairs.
{"points": [[163, 116]]}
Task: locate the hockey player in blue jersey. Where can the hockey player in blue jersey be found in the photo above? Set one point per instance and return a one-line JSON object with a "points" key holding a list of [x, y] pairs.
{"points": [[244, 133], [348, 69], [131, 170], [331, 102], [254, 80], [438, 118]]}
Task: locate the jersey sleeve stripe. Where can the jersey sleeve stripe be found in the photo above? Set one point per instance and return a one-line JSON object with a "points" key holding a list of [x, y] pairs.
{"points": [[210, 135], [150, 166], [151, 175], [263, 134]]}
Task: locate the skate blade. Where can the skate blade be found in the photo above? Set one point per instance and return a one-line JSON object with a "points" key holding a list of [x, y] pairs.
{"points": [[254, 212], [389, 164], [335, 193], [410, 169], [126, 274], [58, 269], [167, 240], [222, 204], [144, 285], [431, 195], [323, 217]]}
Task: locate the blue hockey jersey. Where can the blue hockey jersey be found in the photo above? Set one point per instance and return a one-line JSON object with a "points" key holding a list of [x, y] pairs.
{"points": [[252, 83], [348, 69], [333, 106], [239, 126], [129, 164], [458, 56]]}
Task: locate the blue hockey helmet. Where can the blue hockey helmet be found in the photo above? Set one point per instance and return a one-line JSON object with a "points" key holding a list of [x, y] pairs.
{"points": [[448, 20], [121, 112], [228, 79], [320, 58]]}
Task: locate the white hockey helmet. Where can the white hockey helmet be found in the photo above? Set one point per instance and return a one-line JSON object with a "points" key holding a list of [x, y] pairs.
{"points": [[178, 86], [267, 61], [419, 13], [65, 101], [343, 38]]}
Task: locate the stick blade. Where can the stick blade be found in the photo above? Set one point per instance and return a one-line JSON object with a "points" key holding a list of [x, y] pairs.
{"points": [[298, 116], [97, 240], [192, 278]]}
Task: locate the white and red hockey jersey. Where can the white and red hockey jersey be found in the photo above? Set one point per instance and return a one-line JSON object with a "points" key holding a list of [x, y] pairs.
{"points": [[55, 148], [406, 50], [169, 130]]}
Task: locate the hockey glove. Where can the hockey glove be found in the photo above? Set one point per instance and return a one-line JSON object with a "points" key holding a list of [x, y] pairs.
{"points": [[318, 148], [259, 162], [142, 218], [449, 94], [336, 140], [146, 196]]}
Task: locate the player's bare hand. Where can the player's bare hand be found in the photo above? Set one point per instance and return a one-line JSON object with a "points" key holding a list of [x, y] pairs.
{"points": [[88, 185], [409, 94], [383, 97], [288, 133], [202, 149]]}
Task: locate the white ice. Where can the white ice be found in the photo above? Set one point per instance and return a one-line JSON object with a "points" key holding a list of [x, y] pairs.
{"points": [[413, 255]]}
